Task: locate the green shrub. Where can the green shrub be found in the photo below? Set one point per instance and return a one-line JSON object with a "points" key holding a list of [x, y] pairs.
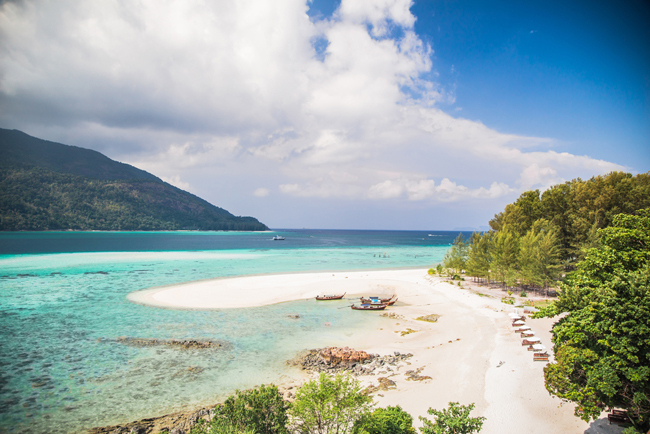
{"points": [[454, 420], [218, 425], [389, 420], [523, 294], [261, 410], [329, 405]]}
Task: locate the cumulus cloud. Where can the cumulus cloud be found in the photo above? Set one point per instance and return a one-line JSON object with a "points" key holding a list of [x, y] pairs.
{"points": [[182, 87]]}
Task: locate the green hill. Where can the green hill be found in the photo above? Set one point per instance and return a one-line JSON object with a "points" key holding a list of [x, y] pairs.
{"points": [[51, 186]]}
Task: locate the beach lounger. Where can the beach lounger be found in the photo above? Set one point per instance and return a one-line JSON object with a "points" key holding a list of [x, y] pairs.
{"points": [[540, 358], [618, 416]]}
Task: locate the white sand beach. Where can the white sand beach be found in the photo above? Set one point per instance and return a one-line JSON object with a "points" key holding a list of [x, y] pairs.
{"points": [[471, 353]]}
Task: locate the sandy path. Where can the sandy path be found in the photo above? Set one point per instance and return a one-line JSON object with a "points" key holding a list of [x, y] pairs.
{"points": [[461, 352]]}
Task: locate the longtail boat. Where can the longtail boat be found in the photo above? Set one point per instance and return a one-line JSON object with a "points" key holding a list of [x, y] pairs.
{"points": [[392, 302], [369, 307], [330, 297], [376, 300]]}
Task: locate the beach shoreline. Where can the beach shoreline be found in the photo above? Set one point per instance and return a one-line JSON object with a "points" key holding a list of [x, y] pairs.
{"points": [[470, 355]]}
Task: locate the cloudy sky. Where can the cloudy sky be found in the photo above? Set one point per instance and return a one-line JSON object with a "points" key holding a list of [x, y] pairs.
{"points": [[358, 114]]}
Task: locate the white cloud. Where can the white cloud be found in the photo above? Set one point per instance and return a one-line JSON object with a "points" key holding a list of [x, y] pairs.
{"points": [[186, 88], [261, 192], [385, 190]]}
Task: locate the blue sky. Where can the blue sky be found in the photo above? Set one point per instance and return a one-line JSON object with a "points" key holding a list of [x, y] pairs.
{"points": [[382, 114], [577, 71]]}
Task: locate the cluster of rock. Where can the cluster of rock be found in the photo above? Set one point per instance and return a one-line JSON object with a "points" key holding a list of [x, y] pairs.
{"points": [[186, 344], [175, 423], [385, 384], [333, 359]]}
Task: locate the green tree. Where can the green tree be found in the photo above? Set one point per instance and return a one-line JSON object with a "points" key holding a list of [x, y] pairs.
{"points": [[602, 349], [548, 256], [329, 405], [504, 254], [480, 255], [454, 420], [261, 410], [389, 420], [456, 257]]}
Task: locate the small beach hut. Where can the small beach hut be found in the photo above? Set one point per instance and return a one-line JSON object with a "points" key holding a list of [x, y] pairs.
{"points": [[538, 347], [518, 323], [521, 329], [527, 333]]}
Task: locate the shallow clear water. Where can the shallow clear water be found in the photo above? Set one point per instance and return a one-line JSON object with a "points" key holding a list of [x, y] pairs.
{"points": [[63, 305]]}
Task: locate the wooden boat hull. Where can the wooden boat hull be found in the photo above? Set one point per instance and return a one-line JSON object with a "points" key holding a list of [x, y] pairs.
{"points": [[330, 297], [369, 307]]}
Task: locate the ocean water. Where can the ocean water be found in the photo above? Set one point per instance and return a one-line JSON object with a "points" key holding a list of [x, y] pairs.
{"points": [[63, 307]]}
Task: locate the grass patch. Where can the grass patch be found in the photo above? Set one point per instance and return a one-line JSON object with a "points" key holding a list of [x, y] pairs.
{"points": [[429, 318], [480, 294], [538, 303], [508, 300], [408, 331]]}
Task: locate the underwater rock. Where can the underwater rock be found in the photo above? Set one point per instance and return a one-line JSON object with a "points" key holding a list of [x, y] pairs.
{"points": [[186, 344]]}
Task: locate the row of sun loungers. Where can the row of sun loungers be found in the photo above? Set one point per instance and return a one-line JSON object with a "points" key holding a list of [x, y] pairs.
{"points": [[539, 355], [528, 338]]}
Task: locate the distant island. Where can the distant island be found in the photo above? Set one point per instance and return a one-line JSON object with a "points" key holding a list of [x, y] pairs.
{"points": [[51, 186]]}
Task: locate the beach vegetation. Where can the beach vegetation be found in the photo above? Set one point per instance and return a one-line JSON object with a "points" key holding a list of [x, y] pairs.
{"points": [[431, 272], [328, 405], [452, 420], [602, 350], [389, 420], [455, 259], [219, 426], [439, 269], [576, 209], [261, 410], [429, 318]]}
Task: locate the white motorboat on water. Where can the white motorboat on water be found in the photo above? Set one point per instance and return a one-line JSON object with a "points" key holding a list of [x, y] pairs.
{"points": [[277, 238]]}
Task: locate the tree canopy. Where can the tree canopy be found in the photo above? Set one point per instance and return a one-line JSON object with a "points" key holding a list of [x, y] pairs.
{"points": [[602, 347], [577, 208]]}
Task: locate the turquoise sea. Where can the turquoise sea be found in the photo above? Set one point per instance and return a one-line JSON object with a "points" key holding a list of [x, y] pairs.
{"points": [[63, 305]]}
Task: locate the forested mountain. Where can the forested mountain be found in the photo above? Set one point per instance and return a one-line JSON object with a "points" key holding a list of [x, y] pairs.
{"points": [[51, 186], [577, 208]]}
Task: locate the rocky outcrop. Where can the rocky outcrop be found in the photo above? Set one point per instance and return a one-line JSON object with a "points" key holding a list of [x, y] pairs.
{"points": [[385, 384], [345, 356], [175, 423], [185, 344], [333, 360]]}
